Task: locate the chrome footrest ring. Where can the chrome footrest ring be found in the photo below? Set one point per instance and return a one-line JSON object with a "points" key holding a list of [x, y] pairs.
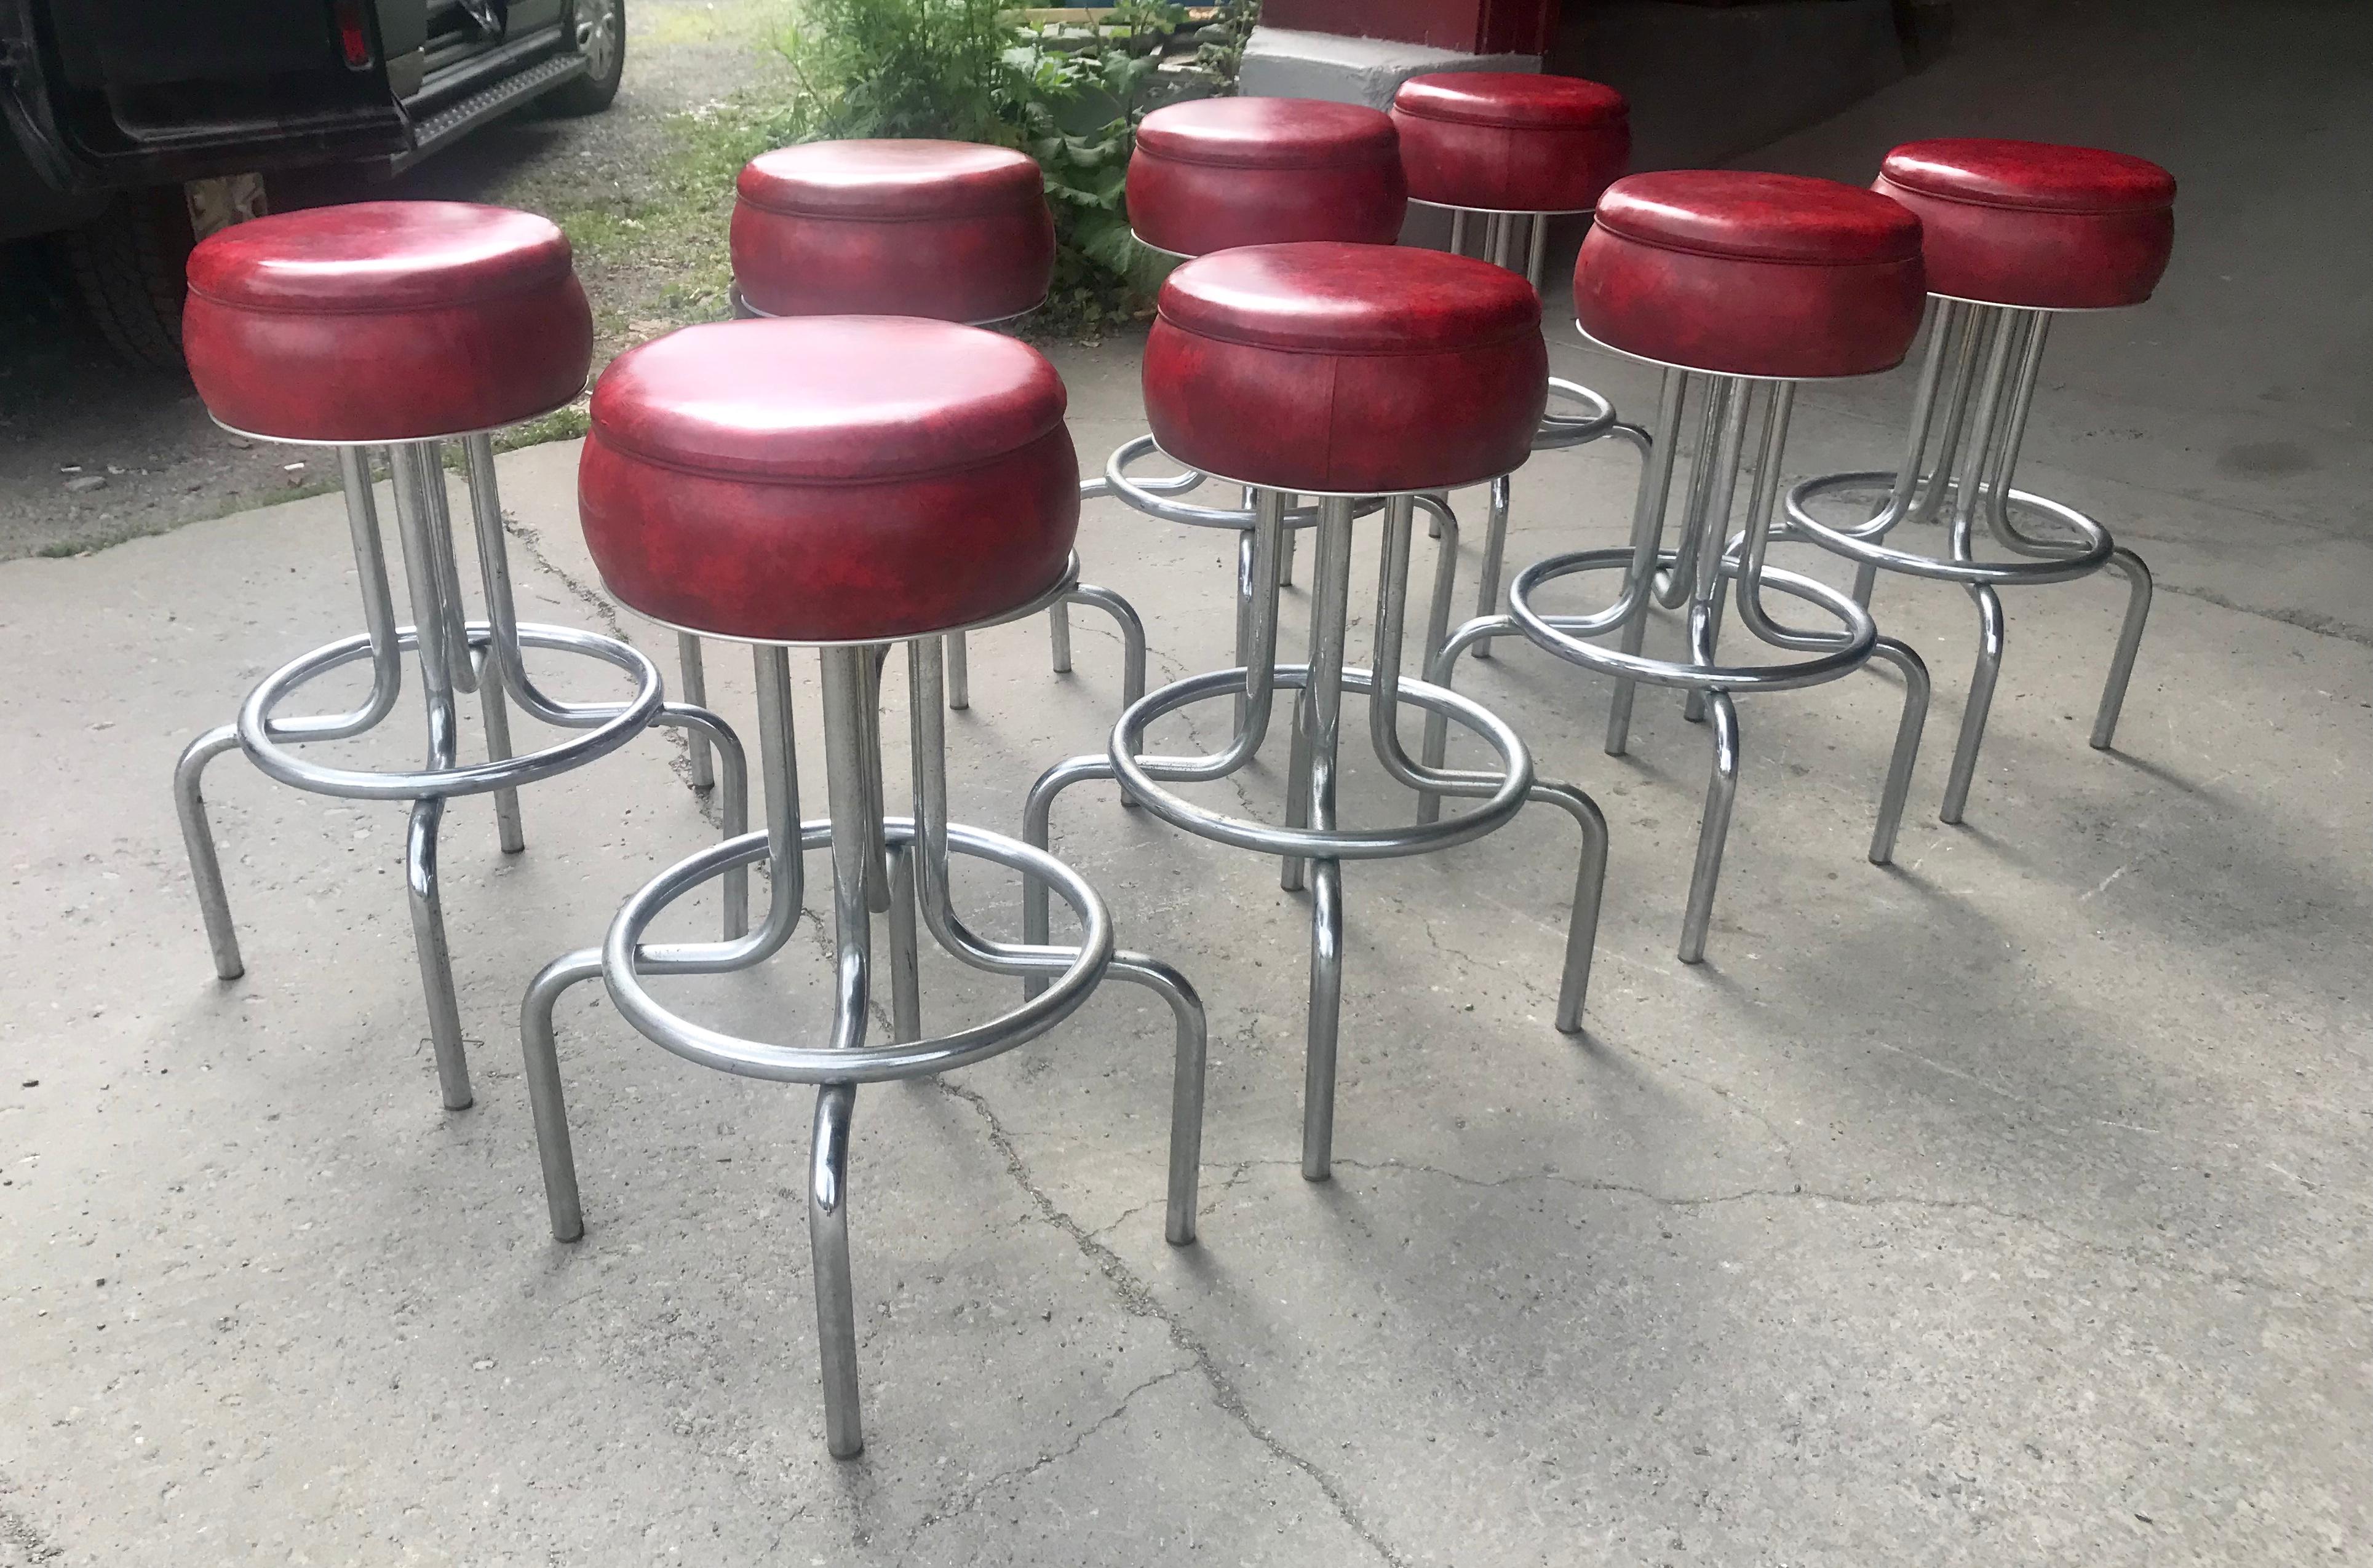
{"points": [[265, 748], [1558, 430], [1858, 637], [1312, 843], [624, 959], [1151, 496], [2082, 558]]}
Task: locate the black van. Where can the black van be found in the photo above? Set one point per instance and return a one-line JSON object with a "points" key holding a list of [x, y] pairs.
{"points": [[135, 126]]}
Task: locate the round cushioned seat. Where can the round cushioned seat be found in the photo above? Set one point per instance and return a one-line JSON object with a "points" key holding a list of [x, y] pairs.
{"points": [[2032, 225], [1505, 141], [1222, 173], [830, 479], [1329, 368], [1740, 273], [385, 321], [950, 230]]}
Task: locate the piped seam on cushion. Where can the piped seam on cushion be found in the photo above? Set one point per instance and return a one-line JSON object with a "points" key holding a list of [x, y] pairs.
{"points": [[854, 481], [1406, 351]]}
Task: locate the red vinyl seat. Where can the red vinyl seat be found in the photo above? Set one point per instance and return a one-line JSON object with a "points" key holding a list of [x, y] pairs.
{"points": [[2036, 225], [1507, 141], [385, 321], [1218, 173], [1345, 369], [829, 479], [950, 230], [1741, 274]]}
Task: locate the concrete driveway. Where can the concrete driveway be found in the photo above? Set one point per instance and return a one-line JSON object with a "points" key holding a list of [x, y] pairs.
{"points": [[2008, 1207]]}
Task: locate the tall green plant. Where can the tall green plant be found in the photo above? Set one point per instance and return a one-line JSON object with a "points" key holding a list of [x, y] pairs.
{"points": [[962, 69]]}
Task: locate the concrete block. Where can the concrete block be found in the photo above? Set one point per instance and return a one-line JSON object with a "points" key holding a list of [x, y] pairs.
{"points": [[1282, 63]]}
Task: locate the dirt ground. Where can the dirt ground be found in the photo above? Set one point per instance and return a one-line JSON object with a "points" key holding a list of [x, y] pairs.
{"points": [[69, 410]]}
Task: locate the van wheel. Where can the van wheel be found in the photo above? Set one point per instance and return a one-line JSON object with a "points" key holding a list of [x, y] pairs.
{"points": [[129, 266], [600, 27]]}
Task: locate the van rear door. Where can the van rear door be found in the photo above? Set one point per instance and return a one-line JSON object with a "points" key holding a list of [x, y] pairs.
{"points": [[111, 94]]}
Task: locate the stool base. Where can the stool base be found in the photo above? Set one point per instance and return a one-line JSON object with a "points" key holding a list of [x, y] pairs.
{"points": [[1312, 836], [1699, 574], [881, 865], [1982, 368], [454, 655]]}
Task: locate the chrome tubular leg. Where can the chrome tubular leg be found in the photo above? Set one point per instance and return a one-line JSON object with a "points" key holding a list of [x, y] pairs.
{"points": [[1059, 636], [1495, 553], [1906, 745], [436, 954], [1322, 722], [695, 694], [1132, 636], [1693, 703], [1185, 1086], [1458, 231], [198, 838], [705, 730], [1297, 788], [2130, 640], [541, 1047], [420, 514], [1285, 544], [1589, 894], [844, 1424], [1536, 256], [1713, 830], [1244, 614], [877, 848], [496, 715], [1982, 698], [1325, 1020], [959, 672], [905, 977]]}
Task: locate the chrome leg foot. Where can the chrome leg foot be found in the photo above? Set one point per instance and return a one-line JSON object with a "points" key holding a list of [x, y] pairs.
{"points": [[436, 954], [1981, 700], [1906, 745], [1713, 830], [198, 838], [1185, 1086], [844, 1424], [1326, 1019], [540, 1045], [2130, 640]]}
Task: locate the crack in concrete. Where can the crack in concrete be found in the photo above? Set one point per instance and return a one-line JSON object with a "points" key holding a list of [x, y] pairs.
{"points": [[1803, 1193], [1138, 1301], [963, 1503]]}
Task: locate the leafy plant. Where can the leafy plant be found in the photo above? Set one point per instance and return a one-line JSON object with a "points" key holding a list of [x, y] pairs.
{"points": [[967, 71]]}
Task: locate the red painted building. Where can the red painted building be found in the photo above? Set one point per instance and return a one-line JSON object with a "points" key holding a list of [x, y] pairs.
{"points": [[1469, 27]]}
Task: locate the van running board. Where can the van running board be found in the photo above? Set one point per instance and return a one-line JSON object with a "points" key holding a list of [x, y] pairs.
{"points": [[433, 133]]}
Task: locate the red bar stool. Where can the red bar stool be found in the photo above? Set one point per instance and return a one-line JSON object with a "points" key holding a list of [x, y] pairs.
{"points": [[953, 231], [1218, 174], [1740, 286], [1350, 373], [1516, 149], [406, 325], [2014, 234], [846, 484]]}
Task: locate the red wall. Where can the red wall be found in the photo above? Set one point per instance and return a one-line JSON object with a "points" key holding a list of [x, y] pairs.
{"points": [[1473, 27]]}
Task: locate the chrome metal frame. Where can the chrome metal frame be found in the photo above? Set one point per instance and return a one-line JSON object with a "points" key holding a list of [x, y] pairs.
{"points": [[1984, 363], [1697, 574], [1311, 837], [892, 866], [1558, 431], [455, 656]]}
